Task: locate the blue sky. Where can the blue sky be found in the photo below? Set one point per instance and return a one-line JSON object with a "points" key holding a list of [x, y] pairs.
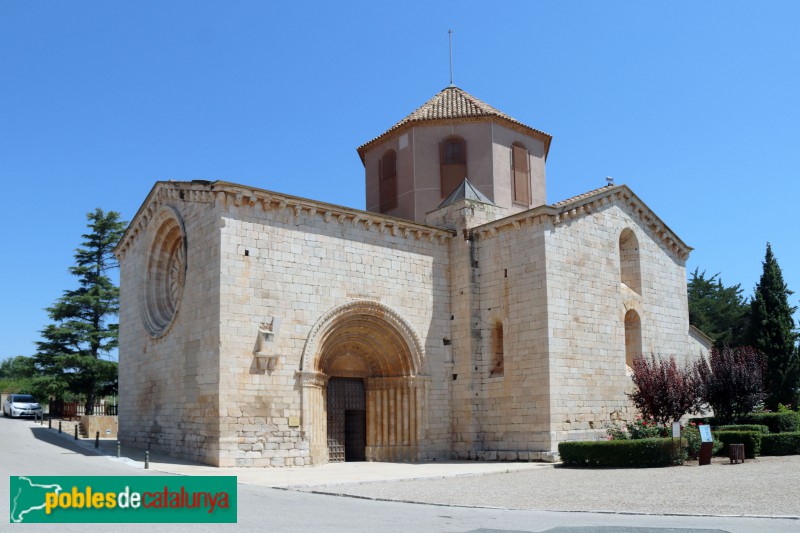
{"points": [[693, 105]]}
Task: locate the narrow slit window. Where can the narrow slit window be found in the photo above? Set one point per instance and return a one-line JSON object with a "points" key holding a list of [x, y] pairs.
{"points": [[630, 271], [497, 351], [633, 337]]}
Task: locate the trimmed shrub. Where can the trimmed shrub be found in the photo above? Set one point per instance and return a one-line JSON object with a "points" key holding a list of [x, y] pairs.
{"points": [[750, 439], [745, 427], [786, 422], [641, 453], [781, 444]]}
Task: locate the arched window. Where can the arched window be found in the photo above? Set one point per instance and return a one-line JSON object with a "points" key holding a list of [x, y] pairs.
{"points": [[521, 174], [633, 336], [497, 350], [387, 181], [453, 159], [630, 271]]}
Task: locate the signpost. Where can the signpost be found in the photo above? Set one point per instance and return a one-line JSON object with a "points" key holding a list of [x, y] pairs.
{"points": [[706, 444], [676, 434]]}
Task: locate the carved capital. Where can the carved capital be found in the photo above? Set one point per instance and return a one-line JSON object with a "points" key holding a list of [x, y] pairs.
{"points": [[312, 379]]}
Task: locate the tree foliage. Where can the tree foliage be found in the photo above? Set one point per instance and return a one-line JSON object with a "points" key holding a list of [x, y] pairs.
{"points": [[718, 311], [17, 375], [772, 332], [731, 381], [663, 390], [69, 357]]}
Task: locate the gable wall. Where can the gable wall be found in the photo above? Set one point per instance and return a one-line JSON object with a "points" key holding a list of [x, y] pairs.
{"points": [[586, 309], [169, 385]]}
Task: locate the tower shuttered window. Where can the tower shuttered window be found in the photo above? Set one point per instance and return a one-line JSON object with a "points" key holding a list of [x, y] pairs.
{"points": [[453, 157], [387, 171], [521, 174]]}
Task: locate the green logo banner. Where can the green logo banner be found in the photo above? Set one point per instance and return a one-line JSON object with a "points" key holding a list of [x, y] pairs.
{"points": [[122, 499]]}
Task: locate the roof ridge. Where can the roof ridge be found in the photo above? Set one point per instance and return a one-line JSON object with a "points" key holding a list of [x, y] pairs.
{"points": [[480, 103]]}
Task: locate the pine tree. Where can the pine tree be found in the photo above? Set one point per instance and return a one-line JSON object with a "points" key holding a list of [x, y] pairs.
{"points": [[69, 357], [772, 332], [718, 311]]}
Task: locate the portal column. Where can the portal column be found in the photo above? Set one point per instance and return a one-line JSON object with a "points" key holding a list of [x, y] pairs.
{"points": [[315, 416], [395, 417]]}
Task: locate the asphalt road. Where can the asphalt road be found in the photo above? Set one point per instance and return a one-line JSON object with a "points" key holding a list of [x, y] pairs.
{"points": [[29, 449]]}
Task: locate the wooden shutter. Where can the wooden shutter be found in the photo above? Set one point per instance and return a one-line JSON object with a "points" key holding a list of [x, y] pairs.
{"points": [[453, 168], [387, 181], [521, 171]]}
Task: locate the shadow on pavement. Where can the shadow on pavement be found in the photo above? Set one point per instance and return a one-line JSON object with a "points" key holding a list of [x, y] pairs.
{"points": [[51, 436], [107, 447]]}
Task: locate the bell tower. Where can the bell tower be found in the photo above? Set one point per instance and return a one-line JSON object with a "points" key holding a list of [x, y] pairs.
{"points": [[416, 164]]}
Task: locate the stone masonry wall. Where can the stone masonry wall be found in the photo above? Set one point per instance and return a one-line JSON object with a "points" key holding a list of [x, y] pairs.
{"points": [[297, 263], [587, 303], [169, 384], [515, 401]]}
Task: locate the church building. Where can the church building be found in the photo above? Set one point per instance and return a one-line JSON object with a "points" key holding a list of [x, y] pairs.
{"points": [[459, 316]]}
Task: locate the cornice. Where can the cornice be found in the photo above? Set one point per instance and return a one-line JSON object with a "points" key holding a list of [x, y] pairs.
{"points": [[224, 193], [510, 124], [582, 207]]}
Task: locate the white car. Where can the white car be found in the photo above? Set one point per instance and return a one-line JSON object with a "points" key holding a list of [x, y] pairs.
{"points": [[21, 405]]}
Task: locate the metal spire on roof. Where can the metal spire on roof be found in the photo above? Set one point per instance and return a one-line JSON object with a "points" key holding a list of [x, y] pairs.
{"points": [[450, 39]]}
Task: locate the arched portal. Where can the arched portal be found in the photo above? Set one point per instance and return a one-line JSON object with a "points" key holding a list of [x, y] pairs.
{"points": [[363, 397]]}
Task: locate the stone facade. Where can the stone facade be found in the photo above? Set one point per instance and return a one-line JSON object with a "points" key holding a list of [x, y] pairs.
{"points": [[260, 329]]}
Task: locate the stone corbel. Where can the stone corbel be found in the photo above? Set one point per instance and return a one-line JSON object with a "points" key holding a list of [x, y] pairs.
{"points": [[265, 355]]}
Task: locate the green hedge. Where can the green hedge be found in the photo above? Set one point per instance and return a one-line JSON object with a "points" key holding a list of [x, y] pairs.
{"points": [[640, 453], [781, 444], [750, 439], [786, 422], [745, 427]]}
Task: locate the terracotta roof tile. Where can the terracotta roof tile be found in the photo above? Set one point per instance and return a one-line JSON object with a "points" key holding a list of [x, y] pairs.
{"points": [[452, 103]]}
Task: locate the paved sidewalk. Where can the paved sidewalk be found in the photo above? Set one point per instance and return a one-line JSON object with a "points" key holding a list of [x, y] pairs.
{"points": [[333, 474], [767, 486]]}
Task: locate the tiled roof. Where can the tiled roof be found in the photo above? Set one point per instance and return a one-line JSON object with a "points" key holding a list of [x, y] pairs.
{"points": [[579, 197], [453, 103], [466, 191]]}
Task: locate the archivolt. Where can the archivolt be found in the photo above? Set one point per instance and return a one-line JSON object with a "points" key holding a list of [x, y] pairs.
{"points": [[388, 344]]}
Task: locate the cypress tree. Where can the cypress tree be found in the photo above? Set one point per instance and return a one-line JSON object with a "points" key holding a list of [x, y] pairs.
{"points": [[772, 332]]}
